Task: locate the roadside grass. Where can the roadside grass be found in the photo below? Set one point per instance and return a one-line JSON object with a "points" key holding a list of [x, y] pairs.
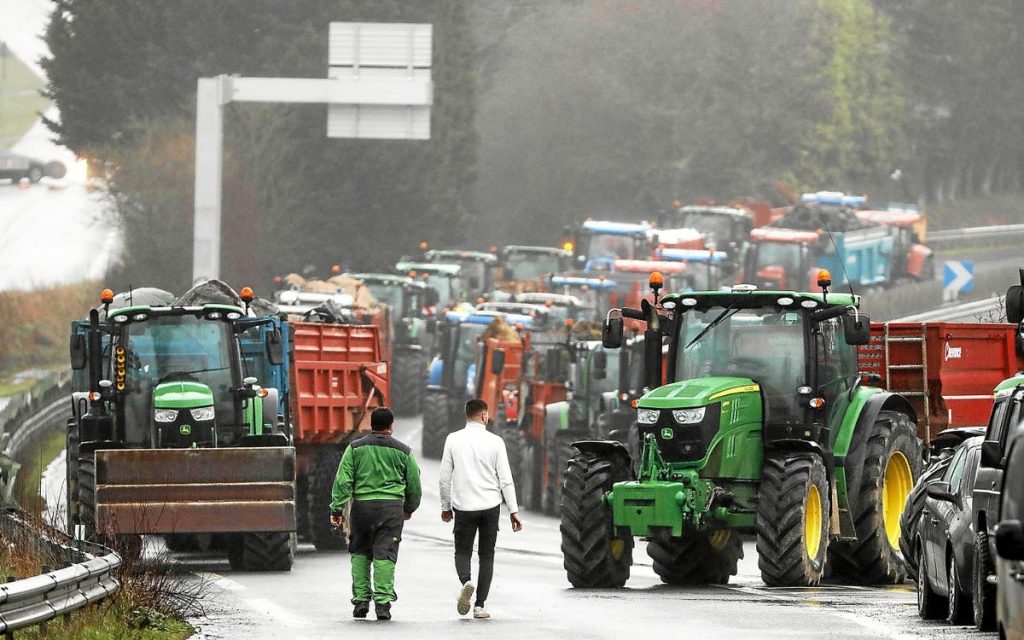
{"points": [[35, 325], [33, 462], [20, 101], [979, 211]]}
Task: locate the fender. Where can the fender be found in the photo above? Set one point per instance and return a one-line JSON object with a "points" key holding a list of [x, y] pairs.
{"points": [[916, 258], [556, 418], [853, 466], [605, 448], [435, 374]]}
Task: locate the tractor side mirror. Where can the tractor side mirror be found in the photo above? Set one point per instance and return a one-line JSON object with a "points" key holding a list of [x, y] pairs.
{"points": [[554, 366], [1010, 540], [1015, 304], [78, 353], [611, 333], [857, 329], [991, 454], [600, 365], [498, 361], [939, 491], [275, 348]]}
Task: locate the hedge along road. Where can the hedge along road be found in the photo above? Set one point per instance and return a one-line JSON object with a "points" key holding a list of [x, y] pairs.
{"points": [[531, 597]]}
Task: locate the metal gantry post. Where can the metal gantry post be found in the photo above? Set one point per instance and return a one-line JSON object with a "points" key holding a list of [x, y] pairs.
{"points": [[209, 163]]}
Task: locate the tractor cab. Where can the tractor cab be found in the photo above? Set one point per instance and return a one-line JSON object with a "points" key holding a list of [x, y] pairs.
{"points": [[526, 268], [707, 270], [445, 279], [724, 228], [595, 292], [596, 244], [477, 268]]}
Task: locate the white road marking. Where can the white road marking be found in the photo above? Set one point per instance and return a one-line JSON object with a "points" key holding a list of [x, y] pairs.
{"points": [[224, 583], [275, 612]]}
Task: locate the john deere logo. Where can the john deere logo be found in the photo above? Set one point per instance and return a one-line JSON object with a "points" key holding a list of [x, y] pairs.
{"points": [[667, 433], [185, 430]]}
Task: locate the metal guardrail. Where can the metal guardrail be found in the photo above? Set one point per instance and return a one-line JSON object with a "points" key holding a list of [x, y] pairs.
{"points": [[954, 236], [966, 312], [39, 599]]}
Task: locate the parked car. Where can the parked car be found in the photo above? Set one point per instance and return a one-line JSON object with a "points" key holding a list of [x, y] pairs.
{"points": [[944, 544], [16, 167], [1009, 537], [942, 448], [1002, 428]]}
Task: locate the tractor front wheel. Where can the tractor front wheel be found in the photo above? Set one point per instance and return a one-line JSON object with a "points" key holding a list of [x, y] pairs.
{"points": [[559, 453], [435, 424], [270, 551], [407, 379], [318, 501], [892, 463], [792, 520], [593, 555]]}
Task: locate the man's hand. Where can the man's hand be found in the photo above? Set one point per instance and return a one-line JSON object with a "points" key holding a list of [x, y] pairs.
{"points": [[517, 524], [446, 516], [337, 521], [407, 516]]}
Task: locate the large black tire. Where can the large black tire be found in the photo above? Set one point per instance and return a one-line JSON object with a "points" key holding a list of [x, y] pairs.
{"points": [[958, 612], [71, 478], [983, 593], [558, 453], [792, 520], [408, 369], [891, 449], [435, 424], [530, 476], [318, 499], [515, 445], [179, 542], [699, 559], [271, 551], [302, 506], [87, 495], [930, 606], [593, 555]]}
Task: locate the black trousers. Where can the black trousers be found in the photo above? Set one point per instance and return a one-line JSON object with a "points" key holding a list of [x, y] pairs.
{"points": [[467, 525], [377, 528]]}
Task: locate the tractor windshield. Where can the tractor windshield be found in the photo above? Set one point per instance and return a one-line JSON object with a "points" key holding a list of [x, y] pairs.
{"points": [[611, 245], [465, 357], [386, 293], [763, 344], [521, 265], [716, 227], [176, 348], [779, 254]]}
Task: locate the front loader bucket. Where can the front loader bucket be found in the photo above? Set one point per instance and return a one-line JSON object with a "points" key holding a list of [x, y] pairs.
{"points": [[195, 490]]}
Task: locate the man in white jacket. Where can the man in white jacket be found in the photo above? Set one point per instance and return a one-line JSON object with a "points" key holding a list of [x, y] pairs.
{"points": [[475, 478]]}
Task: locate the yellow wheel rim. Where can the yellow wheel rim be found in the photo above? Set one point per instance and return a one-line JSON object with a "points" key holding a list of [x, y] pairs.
{"points": [[812, 523], [896, 485], [617, 547], [719, 539]]}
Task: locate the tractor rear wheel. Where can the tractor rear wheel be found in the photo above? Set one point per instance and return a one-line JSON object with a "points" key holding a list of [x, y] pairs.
{"points": [[593, 555], [71, 479], [559, 452], [435, 424], [699, 559], [269, 551], [892, 462], [87, 495], [407, 380], [515, 445], [792, 520], [318, 499], [302, 506]]}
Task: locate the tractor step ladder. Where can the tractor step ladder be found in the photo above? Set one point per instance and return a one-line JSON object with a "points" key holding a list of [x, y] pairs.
{"points": [[914, 392]]}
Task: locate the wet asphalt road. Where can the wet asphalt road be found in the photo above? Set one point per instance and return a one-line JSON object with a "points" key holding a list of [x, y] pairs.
{"points": [[531, 598]]}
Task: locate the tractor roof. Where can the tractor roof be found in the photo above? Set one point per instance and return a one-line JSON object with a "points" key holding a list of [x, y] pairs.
{"points": [[380, 278], [556, 299], [647, 266], [1007, 386], [433, 268], [771, 234], [718, 210], [899, 218], [131, 313], [693, 255], [486, 317], [580, 281], [519, 248], [754, 299], [616, 228], [459, 255]]}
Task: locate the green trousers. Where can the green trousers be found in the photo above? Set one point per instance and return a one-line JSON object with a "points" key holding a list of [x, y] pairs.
{"points": [[383, 590]]}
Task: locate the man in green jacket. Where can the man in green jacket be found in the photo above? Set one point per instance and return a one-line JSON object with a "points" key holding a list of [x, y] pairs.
{"points": [[380, 476]]}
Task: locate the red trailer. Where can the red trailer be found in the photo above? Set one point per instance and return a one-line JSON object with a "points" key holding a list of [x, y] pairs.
{"points": [[947, 370], [338, 376]]}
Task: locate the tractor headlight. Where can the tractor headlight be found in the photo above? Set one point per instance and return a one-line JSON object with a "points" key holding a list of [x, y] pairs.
{"points": [[165, 415], [647, 416], [202, 413], [688, 416]]}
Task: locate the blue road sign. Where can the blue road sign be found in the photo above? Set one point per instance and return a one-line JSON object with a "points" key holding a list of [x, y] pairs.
{"points": [[958, 277]]}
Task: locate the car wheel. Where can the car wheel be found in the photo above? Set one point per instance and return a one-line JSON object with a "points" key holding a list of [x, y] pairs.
{"points": [[929, 605], [957, 612], [35, 174]]}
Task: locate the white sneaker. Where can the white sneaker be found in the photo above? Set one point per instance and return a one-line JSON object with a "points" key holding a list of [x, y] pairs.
{"points": [[480, 613], [465, 593]]}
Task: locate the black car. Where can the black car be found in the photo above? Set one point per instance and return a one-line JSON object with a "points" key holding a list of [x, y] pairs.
{"points": [[1010, 546], [944, 544], [941, 448]]}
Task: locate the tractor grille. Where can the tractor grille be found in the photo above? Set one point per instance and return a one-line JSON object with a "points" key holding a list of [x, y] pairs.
{"points": [[689, 442]]}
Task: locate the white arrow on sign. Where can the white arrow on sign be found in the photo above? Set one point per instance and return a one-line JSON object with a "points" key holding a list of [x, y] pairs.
{"points": [[961, 278]]}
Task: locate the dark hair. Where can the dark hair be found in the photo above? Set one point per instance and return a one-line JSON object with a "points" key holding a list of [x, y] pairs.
{"points": [[381, 419], [475, 407]]}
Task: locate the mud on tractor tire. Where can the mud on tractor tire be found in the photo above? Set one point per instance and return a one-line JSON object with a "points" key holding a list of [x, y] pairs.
{"points": [[705, 558], [792, 520], [318, 500], [407, 379], [593, 556], [435, 424], [892, 463]]}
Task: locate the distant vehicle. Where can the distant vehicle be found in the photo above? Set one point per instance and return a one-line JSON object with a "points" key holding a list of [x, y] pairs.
{"points": [[17, 167], [945, 540], [1009, 607]]}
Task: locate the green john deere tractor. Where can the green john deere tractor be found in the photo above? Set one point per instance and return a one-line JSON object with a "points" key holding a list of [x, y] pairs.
{"points": [[765, 427]]}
